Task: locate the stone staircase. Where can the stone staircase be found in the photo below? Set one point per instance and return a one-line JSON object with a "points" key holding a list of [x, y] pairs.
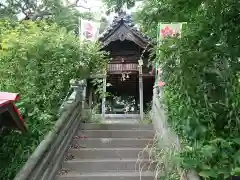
{"points": [[109, 152]]}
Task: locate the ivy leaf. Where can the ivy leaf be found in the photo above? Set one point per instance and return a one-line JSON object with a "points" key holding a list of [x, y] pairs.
{"points": [[217, 140], [236, 171], [237, 140], [208, 173], [208, 151], [190, 163]]}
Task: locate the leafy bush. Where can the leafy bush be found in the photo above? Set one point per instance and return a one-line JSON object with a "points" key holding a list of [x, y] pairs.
{"points": [[38, 60], [202, 73]]}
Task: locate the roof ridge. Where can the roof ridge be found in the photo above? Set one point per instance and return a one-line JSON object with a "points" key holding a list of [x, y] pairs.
{"points": [[124, 19]]}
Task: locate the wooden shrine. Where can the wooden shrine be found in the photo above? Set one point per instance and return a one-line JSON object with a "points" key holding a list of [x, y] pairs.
{"points": [[128, 72], [10, 116]]}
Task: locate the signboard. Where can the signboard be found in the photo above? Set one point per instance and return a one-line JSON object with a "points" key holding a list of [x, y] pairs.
{"points": [[169, 30], [89, 30]]}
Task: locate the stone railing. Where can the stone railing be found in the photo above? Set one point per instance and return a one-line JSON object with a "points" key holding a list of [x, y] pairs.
{"points": [[48, 156], [166, 137]]}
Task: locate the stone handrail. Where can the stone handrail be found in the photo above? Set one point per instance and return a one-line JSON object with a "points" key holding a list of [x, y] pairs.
{"points": [[167, 138], [159, 118], [46, 159]]}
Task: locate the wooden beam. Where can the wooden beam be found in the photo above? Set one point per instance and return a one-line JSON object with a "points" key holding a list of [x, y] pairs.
{"points": [[94, 76], [147, 75]]}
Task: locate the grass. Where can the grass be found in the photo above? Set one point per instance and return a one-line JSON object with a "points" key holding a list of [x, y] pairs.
{"points": [[161, 153]]}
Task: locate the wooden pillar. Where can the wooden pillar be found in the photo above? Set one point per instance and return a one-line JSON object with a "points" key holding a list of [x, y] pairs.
{"points": [[141, 96], [90, 100], [141, 89], [112, 104], [94, 98], [136, 104], [104, 96]]}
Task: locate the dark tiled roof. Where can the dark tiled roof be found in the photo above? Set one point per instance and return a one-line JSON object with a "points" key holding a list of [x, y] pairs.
{"points": [[126, 20]]}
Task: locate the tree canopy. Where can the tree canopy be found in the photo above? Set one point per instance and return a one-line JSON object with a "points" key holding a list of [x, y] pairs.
{"points": [[64, 14], [117, 5]]}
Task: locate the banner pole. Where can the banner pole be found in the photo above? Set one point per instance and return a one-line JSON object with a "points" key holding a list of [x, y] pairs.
{"points": [[79, 29], [158, 54]]}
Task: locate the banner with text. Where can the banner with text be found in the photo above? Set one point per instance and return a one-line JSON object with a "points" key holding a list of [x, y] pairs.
{"points": [[89, 30]]}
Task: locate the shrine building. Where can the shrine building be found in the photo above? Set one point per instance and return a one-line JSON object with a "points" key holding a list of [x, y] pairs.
{"points": [[129, 77]]}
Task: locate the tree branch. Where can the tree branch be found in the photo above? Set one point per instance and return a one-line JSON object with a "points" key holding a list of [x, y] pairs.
{"points": [[75, 4], [2, 5], [40, 15]]}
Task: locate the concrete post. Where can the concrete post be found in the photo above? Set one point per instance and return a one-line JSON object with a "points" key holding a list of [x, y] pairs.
{"points": [[104, 96]]}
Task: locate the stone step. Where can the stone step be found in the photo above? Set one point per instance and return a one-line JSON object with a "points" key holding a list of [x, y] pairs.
{"points": [[108, 153], [107, 176], [115, 134], [122, 116], [89, 126], [110, 143], [108, 165], [121, 121]]}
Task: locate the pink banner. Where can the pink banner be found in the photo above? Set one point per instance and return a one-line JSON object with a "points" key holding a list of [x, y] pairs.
{"points": [[89, 30]]}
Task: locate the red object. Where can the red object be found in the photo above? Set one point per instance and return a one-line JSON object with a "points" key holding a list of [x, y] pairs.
{"points": [[9, 96], [89, 27], [88, 31], [152, 71], [161, 84], [4, 102], [10, 115], [167, 31]]}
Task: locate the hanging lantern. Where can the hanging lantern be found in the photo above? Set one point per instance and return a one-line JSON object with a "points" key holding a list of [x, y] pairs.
{"points": [[140, 62]]}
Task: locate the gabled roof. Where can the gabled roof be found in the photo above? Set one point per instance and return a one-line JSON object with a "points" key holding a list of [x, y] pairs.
{"points": [[9, 114], [122, 28]]}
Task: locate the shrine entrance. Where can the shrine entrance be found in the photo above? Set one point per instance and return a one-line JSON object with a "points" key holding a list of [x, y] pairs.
{"points": [[129, 79], [125, 94]]}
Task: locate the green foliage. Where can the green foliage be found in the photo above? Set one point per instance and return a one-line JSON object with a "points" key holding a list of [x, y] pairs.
{"points": [[69, 18], [202, 72], [65, 15], [117, 5], [38, 60]]}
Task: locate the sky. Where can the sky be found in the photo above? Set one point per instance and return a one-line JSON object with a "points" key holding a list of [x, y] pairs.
{"points": [[95, 5], [98, 7]]}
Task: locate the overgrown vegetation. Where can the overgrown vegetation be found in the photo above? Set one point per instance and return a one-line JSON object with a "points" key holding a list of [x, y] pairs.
{"points": [[64, 13], [202, 73], [39, 54], [38, 59]]}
